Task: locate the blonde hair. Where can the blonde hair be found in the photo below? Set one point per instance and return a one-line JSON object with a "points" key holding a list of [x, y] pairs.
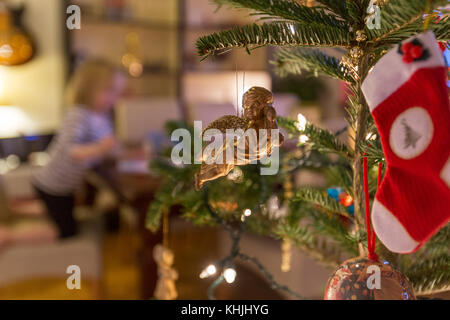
{"points": [[87, 79]]}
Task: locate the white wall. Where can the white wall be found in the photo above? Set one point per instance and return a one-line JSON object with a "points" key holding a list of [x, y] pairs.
{"points": [[36, 88]]}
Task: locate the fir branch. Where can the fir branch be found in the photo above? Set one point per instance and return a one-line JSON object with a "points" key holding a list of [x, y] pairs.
{"points": [[195, 209], [293, 61], [325, 141], [154, 214], [357, 11], [320, 139], [305, 241], [332, 227], [301, 236], [322, 200], [339, 175], [172, 190], [286, 10], [352, 109], [429, 276], [372, 150], [274, 34], [161, 203], [427, 269], [288, 124], [338, 7], [442, 29], [400, 19], [437, 245]]}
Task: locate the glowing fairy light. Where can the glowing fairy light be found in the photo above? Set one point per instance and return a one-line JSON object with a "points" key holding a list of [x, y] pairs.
{"points": [[211, 269], [301, 122], [371, 136], [230, 275], [303, 139], [208, 271]]}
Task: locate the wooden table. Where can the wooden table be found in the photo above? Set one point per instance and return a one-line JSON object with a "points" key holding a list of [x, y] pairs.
{"points": [[137, 190]]}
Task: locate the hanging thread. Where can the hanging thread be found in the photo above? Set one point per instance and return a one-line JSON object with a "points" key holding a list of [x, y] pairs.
{"points": [[237, 92], [243, 83], [371, 236], [166, 229]]}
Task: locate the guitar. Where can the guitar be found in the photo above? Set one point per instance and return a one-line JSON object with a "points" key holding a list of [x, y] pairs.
{"points": [[16, 45]]}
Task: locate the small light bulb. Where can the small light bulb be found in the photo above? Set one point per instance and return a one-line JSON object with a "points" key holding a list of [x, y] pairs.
{"points": [[230, 275], [370, 136], [303, 138], [208, 271], [247, 212], [211, 269], [301, 122]]}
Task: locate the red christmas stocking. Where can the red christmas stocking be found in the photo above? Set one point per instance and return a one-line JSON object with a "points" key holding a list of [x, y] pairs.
{"points": [[408, 98]]}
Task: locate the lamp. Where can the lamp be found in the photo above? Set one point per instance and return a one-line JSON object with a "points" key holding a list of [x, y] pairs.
{"points": [[14, 122], [16, 46]]}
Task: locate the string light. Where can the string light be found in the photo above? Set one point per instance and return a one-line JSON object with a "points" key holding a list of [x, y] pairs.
{"points": [[301, 122], [303, 139], [208, 271], [247, 213], [235, 253], [230, 275], [371, 136]]}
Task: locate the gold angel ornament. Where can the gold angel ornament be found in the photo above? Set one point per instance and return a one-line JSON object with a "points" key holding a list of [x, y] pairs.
{"points": [[242, 139], [167, 275]]}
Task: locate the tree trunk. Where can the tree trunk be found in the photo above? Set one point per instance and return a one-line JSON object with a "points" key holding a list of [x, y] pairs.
{"points": [[360, 135]]}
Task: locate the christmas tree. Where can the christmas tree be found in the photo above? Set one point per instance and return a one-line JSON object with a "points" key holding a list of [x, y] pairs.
{"points": [[311, 218]]}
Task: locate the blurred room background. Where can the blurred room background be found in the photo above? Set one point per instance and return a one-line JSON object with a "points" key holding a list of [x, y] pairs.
{"points": [[154, 42]]}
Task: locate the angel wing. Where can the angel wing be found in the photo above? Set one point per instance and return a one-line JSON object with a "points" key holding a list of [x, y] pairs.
{"points": [[223, 124]]}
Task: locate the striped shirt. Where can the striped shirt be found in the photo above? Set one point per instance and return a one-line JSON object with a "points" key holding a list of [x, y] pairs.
{"points": [[63, 175]]}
